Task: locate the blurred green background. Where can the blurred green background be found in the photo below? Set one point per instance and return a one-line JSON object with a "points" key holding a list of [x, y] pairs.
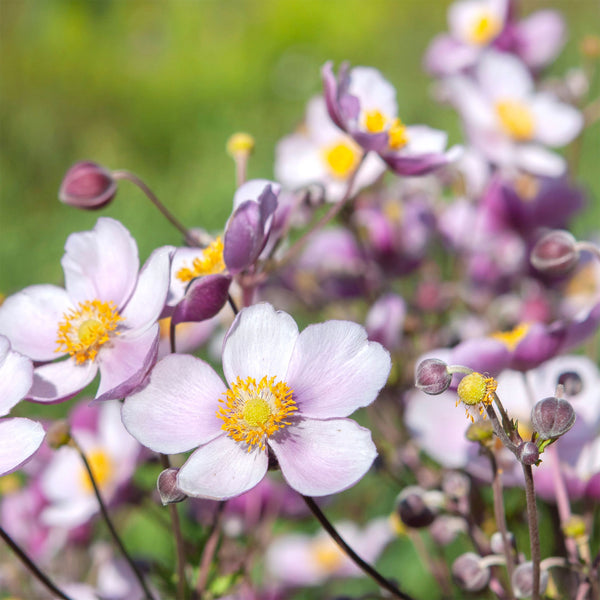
{"points": [[158, 86]]}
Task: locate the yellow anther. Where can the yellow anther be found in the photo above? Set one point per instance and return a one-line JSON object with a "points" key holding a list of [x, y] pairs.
{"points": [[475, 389], [516, 119], [375, 121], [342, 158], [512, 338], [210, 262], [240, 143], [484, 28], [398, 136]]}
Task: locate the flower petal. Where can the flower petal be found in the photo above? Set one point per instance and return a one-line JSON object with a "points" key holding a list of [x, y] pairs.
{"points": [[20, 439], [222, 469], [557, 123], [177, 409], [16, 375], [30, 318], [334, 369], [540, 37], [259, 342], [101, 264], [204, 298], [503, 75], [58, 381], [318, 458]]}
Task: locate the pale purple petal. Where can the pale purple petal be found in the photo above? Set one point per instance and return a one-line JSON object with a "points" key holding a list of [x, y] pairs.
{"points": [[16, 376], [504, 76], [447, 55], [259, 343], [557, 123], [19, 439], [330, 93], [30, 318], [539, 161], [58, 381], [124, 364], [540, 37], [177, 409], [252, 190], [222, 469], [150, 295], [101, 264], [485, 355], [318, 458], [244, 237], [334, 369], [204, 298]]}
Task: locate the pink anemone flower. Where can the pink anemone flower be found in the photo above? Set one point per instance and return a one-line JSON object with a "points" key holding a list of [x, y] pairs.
{"points": [[288, 398], [105, 320]]}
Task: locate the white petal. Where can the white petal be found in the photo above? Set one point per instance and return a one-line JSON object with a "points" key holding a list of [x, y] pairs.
{"points": [[61, 380], [556, 123], [222, 469], [539, 161], [16, 376], [373, 91], [504, 76], [251, 190], [19, 439]]}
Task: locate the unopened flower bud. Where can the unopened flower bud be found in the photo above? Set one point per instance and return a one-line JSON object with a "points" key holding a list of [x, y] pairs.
{"points": [[528, 453], [469, 574], [446, 528], [480, 431], [413, 509], [240, 144], [555, 253], [87, 185], [522, 580], [167, 487], [433, 376], [590, 46], [497, 543], [58, 434], [552, 417]]}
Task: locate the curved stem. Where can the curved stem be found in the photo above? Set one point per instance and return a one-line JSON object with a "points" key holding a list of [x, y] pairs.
{"points": [[364, 566], [109, 523], [534, 532], [31, 566], [231, 301]]}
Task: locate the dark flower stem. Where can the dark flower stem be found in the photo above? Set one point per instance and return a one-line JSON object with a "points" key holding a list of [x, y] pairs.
{"points": [[109, 523], [231, 301], [31, 566], [132, 178], [364, 566], [534, 532]]}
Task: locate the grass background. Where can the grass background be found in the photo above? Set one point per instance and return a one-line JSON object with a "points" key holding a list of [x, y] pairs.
{"points": [[157, 87]]}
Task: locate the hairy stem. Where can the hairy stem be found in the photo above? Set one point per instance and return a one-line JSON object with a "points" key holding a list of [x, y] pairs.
{"points": [[534, 532]]}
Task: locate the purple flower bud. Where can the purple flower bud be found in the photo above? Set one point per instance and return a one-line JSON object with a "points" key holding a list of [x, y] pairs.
{"points": [[204, 298], [413, 509], [433, 376], [497, 543], [87, 185], [468, 573], [522, 580], [552, 417], [167, 487], [528, 453], [555, 253]]}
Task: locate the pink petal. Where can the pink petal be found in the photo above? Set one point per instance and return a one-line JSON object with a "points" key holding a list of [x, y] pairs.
{"points": [[150, 294], [177, 409], [101, 264], [334, 369], [16, 375], [259, 343], [222, 469], [124, 364], [58, 381], [30, 318], [19, 439], [318, 458], [541, 36]]}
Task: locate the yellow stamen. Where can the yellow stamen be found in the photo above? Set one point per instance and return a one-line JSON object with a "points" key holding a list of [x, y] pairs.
{"points": [[210, 263], [512, 338], [240, 143], [252, 412], [86, 329], [342, 158], [327, 555], [484, 28], [475, 389], [516, 119], [398, 137], [375, 121], [10, 483], [102, 467]]}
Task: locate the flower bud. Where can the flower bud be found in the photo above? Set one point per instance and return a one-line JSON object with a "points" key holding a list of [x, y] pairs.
{"points": [[480, 431], [571, 382], [590, 46], [497, 543], [552, 417], [413, 509], [167, 487], [58, 434], [468, 573], [522, 580], [555, 253], [432, 376], [240, 144], [528, 453], [87, 185]]}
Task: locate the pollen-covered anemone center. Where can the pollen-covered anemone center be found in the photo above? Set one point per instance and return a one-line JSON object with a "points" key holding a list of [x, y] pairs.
{"points": [[398, 136], [342, 158], [252, 412], [209, 263], [85, 329], [484, 28], [516, 119]]}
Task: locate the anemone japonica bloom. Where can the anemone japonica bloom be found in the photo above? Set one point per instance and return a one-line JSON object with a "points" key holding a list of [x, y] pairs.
{"points": [[20, 438], [508, 121], [319, 153], [288, 398], [361, 102], [105, 320]]}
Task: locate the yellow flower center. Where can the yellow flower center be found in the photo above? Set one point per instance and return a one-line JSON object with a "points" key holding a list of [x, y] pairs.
{"points": [[516, 119], [484, 28], [398, 137], [327, 555], [252, 412], [209, 263], [475, 389], [84, 330], [511, 338], [240, 143], [102, 467], [375, 121], [342, 158], [10, 483]]}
